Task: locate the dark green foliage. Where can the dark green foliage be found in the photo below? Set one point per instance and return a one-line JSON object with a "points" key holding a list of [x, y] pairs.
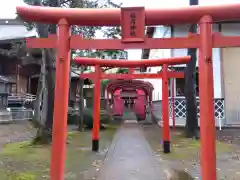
{"points": [[122, 71], [112, 32], [105, 118], [73, 117], [118, 119]]}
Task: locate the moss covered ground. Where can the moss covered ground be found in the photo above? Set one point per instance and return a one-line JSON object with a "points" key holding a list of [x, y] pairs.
{"points": [[24, 161], [184, 160], [183, 148]]}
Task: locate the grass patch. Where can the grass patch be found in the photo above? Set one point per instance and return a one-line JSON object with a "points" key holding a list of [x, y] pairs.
{"points": [[17, 176], [181, 148], [24, 161], [189, 149], [23, 149]]}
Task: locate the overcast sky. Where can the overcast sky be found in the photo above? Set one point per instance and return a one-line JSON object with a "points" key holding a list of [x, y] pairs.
{"points": [[8, 9]]}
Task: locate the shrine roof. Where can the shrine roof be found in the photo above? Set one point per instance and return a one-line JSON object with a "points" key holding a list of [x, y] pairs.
{"points": [[136, 84]]}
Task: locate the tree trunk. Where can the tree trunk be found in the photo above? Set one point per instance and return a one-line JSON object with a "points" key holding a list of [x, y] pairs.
{"points": [[190, 95], [46, 93], [81, 103], [191, 126], [50, 61], [38, 105], [51, 73]]}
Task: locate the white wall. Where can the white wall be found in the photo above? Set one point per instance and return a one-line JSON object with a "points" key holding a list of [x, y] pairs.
{"points": [[227, 30], [231, 29], [160, 32], [217, 75], [15, 32], [182, 31]]}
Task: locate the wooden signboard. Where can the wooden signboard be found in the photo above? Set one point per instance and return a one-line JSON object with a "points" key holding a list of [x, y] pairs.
{"points": [[133, 24]]}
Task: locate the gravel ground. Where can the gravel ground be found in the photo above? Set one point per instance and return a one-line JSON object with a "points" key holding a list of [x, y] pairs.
{"points": [[16, 132], [229, 135], [20, 131]]}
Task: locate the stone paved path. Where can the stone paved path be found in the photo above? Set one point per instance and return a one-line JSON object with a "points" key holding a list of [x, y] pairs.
{"points": [[130, 157], [129, 114]]}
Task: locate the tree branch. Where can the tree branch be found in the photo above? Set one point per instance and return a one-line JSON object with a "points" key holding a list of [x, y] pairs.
{"points": [[106, 69]]}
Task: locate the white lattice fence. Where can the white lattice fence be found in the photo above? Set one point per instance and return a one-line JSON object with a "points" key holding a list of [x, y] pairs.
{"points": [[180, 107]]}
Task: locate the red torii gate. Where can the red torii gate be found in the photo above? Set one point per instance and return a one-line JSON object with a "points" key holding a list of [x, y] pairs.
{"points": [[133, 21], [126, 85], [130, 75], [98, 75], [131, 64]]}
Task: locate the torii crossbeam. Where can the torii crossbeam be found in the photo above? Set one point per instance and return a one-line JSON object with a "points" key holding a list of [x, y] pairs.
{"points": [[131, 64]]}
